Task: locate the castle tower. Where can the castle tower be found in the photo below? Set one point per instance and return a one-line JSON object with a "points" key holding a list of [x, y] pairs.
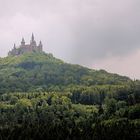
{"points": [[33, 42], [14, 46], [22, 42], [40, 46], [32, 39]]}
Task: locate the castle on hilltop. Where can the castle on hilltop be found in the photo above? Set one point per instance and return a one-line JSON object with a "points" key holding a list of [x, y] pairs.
{"points": [[26, 48]]}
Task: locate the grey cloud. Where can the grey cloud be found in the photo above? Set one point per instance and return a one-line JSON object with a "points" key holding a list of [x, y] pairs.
{"points": [[78, 31]]}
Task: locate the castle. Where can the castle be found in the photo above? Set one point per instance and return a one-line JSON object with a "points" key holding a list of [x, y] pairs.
{"points": [[26, 48]]}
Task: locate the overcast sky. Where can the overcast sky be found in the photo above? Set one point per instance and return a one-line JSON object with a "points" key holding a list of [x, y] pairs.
{"points": [[100, 34]]}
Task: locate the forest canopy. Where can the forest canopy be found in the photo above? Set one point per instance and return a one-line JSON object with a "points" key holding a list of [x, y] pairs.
{"points": [[43, 97]]}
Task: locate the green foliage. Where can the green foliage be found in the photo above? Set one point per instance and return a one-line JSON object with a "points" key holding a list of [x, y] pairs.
{"points": [[43, 72], [110, 106], [13, 100], [54, 115], [44, 98], [134, 112]]}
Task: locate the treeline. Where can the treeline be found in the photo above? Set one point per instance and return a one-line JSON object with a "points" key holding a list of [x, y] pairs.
{"points": [[42, 72], [129, 93], [100, 112]]}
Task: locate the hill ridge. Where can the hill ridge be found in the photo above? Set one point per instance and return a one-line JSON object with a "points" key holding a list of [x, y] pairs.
{"points": [[32, 71]]}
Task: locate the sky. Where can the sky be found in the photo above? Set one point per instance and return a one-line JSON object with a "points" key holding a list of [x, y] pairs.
{"points": [[99, 34]]}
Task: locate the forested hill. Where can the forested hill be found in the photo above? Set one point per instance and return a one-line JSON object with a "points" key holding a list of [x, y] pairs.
{"points": [[42, 97], [41, 71]]}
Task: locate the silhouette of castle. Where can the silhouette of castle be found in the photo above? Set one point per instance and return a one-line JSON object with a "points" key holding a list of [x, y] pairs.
{"points": [[26, 48]]}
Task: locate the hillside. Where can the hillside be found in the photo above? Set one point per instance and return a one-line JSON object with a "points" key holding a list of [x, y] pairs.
{"points": [[41, 71], [65, 101]]}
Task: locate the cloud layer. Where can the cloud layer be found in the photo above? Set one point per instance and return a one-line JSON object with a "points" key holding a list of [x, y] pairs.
{"points": [[87, 32]]}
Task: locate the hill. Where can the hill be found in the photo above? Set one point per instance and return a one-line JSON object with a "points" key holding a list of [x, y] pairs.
{"points": [[41, 71], [65, 101]]}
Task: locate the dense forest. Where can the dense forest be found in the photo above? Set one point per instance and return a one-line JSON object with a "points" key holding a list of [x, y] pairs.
{"points": [[43, 72], [42, 97]]}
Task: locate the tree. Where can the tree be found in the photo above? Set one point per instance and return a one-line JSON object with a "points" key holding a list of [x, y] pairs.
{"points": [[110, 106]]}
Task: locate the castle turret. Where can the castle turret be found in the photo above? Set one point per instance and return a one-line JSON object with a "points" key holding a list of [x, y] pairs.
{"points": [[40, 46], [32, 39], [14, 46], [33, 42], [22, 42]]}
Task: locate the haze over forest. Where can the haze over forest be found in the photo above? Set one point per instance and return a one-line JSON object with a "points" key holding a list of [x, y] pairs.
{"points": [[100, 34]]}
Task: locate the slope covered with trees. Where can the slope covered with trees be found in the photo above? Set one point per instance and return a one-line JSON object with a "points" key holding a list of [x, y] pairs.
{"points": [[43, 72], [42, 97], [79, 114]]}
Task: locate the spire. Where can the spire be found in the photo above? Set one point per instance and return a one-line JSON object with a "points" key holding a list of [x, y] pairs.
{"points": [[32, 39], [14, 46], [40, 43], [23, 41], [33, 42], [40, 46]]}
